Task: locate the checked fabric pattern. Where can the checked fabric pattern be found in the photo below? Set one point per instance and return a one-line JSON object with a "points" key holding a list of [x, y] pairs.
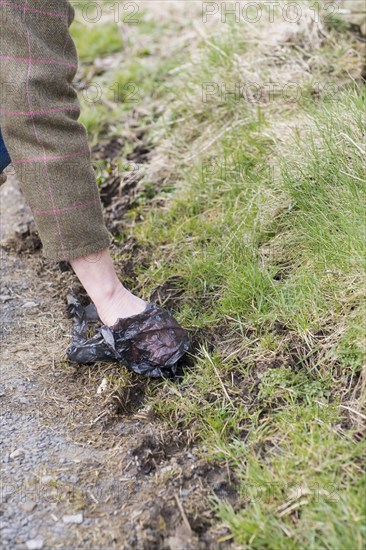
{"points": [[39, 113]]}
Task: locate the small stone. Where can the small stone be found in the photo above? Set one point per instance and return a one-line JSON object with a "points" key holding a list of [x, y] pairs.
{"points": [[35, 544], [75, 518], [30, 304], [166, 469], [23, 400], [17, 453], [28, 506], [46, 479], [5, 298], [7, 533], [103, 386]]}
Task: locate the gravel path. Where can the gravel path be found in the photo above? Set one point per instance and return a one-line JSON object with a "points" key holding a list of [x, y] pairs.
{"points": [[38, 463]]}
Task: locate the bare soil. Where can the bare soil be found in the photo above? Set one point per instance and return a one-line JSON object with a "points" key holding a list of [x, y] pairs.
{"points": [[67, 450]]}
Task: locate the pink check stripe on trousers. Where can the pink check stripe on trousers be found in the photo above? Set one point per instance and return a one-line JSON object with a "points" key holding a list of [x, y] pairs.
{"points": [[39, 113]]}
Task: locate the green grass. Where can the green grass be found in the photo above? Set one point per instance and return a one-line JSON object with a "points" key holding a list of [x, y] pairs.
{"points": [[96, 40], [289, 290], [274, 269], [263, 219]]}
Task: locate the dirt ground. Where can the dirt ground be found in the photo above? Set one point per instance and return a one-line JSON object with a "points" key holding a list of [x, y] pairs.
{"points": [[82, 469]]}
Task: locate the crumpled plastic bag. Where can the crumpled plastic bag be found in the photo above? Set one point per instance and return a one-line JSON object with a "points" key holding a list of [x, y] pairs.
{"points": [[150, 343]]}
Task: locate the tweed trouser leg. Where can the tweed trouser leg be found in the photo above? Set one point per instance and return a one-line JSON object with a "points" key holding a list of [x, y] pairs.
{"points": [[39, 113]]}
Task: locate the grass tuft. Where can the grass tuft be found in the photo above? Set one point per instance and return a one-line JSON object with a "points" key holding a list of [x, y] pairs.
{"points": [[255, 202]]}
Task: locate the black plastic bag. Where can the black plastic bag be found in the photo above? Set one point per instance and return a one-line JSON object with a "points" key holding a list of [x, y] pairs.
{"points": [[150, 343]]}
